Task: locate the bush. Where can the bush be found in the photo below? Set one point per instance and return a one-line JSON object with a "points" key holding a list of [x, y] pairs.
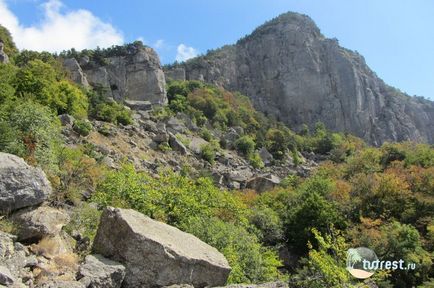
{"points": [[206, 134], [30, 131], [208, 153], [82, 127], [256, 161], [245, 145]]}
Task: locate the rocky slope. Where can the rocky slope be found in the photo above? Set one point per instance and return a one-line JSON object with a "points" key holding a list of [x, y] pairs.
{"points": [[291, 71]]}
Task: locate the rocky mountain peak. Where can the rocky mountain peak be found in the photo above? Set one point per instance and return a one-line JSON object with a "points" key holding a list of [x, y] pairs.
{"points": [[284, 24], [295, 74]]}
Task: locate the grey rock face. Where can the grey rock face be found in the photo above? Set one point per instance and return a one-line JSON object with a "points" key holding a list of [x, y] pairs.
{"points": [[39, 223], [20, 184], [136, 75], [156, 254], [76, 73], [290, 70], [3, 56], [99, 272]]}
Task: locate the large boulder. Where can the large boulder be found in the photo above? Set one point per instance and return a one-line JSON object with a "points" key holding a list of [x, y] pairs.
{"points": [[39, 223], [20, 184], [156, 254], [99, 272], [263, 183]]}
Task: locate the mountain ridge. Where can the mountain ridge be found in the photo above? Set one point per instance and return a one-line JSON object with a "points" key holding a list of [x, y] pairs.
{"points": [[293, 72]]}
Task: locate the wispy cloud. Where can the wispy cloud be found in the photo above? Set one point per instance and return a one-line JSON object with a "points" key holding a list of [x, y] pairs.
{"points": [[185, 52], [60, 30]]}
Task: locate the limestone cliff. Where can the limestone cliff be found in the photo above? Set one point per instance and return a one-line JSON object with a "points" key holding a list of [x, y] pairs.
{"points": [[134, 74], [290, 70]]}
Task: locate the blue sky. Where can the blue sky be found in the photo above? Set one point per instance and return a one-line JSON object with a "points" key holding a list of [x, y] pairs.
{"points": [[395, 37]]}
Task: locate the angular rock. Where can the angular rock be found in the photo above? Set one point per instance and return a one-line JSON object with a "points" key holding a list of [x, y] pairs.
{"points": [[66, 120], [177, 145], [263, 183], [138, 105], [75, 72], [6, 245], [175, 125], [39, 223], [99, 272], [161, 137], [20, 184], [6, 277], [62, 284], [266, 156], [156, 254]]}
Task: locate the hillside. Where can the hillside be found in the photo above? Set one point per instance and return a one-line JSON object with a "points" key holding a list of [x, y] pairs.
{"points": [[111, 176]]}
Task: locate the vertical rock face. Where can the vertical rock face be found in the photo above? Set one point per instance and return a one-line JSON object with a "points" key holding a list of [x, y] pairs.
{"points": [[156, 254], [3, 56], [133, 75], [290, 70]]}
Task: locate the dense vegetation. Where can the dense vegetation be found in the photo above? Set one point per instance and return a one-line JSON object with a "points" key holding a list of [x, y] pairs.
{"points": [[382, 198]]}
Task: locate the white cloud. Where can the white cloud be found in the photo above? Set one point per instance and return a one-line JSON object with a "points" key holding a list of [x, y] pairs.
{"points": [[59, 30], [159, 44], [185, 52]]}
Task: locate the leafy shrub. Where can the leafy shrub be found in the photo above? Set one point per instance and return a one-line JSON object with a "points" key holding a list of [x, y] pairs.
{"points": [[31, 131], [208, 152], [82, 127], [256, 160], [206, 134], [245, 145]]}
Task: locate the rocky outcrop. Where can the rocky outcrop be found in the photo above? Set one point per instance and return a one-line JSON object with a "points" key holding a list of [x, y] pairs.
{"points": [[263, 183], [3, 56], [99, 272], [135, 74], [156, 254], [75, 72], [20, 184], [290, 70]]}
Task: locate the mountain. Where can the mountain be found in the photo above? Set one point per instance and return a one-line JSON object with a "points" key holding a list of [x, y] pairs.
{"points": [[294, 73]]}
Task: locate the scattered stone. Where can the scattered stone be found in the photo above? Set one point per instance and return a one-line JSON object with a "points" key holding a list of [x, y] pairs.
{"points": [[99, 272], [138, 105], [263, 183], [177, 145], [6, 244], [156, 254], [66, 120], [266, 156], [39, 223], [62, 284], [6, 277], [175, 125], [161, 137], [20, 184]]}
